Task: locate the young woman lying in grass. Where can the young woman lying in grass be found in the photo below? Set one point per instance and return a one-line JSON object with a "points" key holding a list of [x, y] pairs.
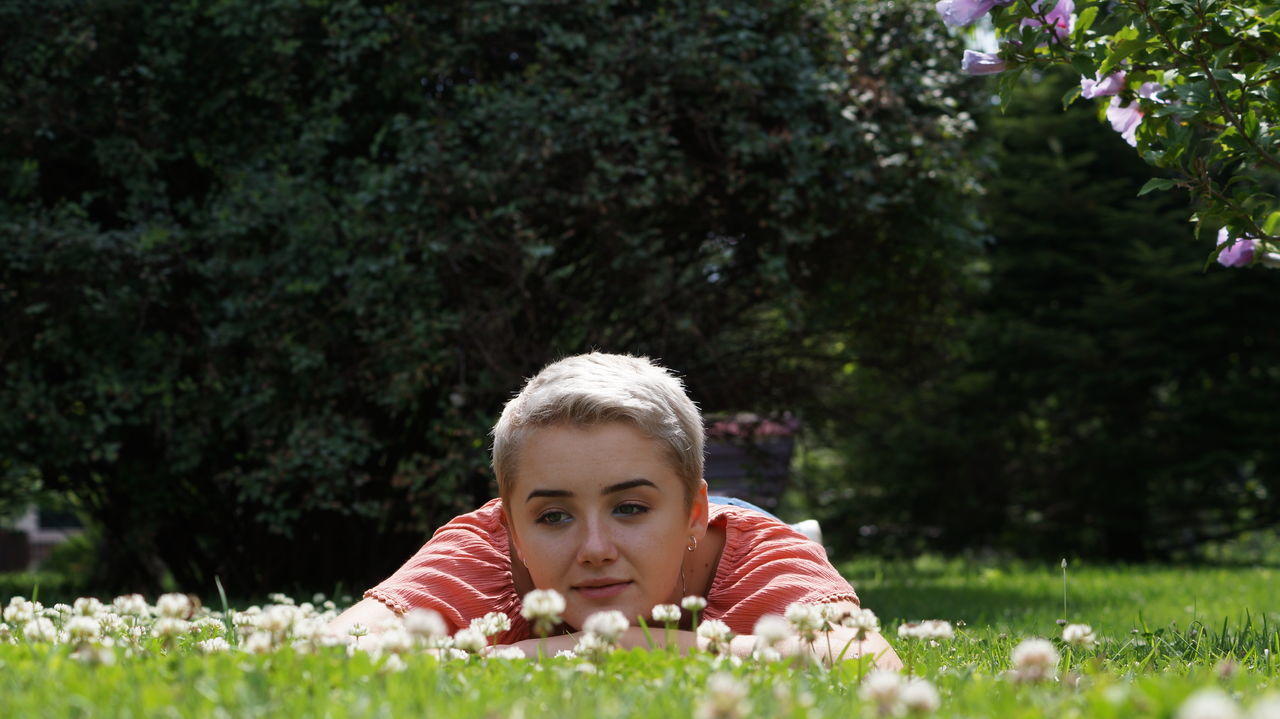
{"points": [[599, 464]]}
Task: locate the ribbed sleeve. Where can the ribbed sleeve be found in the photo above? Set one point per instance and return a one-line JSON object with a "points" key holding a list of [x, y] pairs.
{"points": [[765, 566], [463, 572]]}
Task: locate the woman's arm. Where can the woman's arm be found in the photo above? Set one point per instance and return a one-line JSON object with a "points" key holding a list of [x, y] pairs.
{"points": [[842, 645], [370, 613]]}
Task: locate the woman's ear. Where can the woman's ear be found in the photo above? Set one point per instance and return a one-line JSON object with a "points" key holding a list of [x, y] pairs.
{"points": [[700, 512]]}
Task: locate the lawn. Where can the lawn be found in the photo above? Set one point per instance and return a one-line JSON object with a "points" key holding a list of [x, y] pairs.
{"points": [[1163, 633]]}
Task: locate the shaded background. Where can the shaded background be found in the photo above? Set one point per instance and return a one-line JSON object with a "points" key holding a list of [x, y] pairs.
{"points": [[268, 271]]}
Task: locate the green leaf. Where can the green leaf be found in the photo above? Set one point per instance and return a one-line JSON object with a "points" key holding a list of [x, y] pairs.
{"points": [[1082, 64], [1156, 183], [1085, 20], [1070, 96], [1120, 50], [1272, 224]]}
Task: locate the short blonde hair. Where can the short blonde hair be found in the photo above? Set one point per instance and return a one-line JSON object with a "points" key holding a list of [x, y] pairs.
{"points": [[594, 388]]}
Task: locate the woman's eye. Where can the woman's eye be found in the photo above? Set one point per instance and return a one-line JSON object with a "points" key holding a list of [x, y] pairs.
{"points": [[630, 510], [553, 517]]}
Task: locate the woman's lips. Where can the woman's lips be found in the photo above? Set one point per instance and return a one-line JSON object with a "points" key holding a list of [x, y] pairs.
{"points": [[602, 591]]}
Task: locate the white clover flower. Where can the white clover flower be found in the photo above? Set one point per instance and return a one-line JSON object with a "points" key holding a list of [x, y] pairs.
{"points": [[771, 630], [83, 628], [608, 624], [87, 607], [259, 642], [766, 654], [492, 623], [177, 606], [863, 622], [130, 605], [110, 622], [40, 629], [1034, 659], [1079, 635], [281, 598], [425, 624], [693, 603], [936, 629], [566, 654], [211, 624], [909, 630], [717, 634], [920, 697], [507, 653], [543, 607], [6, 632], [278, 619], [806, 618], [329, 606], [393, 663], [213, 645], [883, 688], [591, 645], [60, 609], [20, 611], [665, 613], [1208, 704], [585, 668], [470, 641], [169, 627], [726, 698], [395, 640], [836, 613], [96, 653], [358, 630]]}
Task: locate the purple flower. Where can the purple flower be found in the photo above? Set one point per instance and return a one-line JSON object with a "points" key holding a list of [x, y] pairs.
{"points": [[1110, 85], [1125, 120], [1061, 18], [1151, 91], [981, 63], [1239, 254], [963, 12]]}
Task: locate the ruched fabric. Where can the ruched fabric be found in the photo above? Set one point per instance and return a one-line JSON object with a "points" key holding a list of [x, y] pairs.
{"points": [[464, 572]]}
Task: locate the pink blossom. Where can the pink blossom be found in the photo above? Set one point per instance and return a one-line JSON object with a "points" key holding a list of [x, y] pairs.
{"points": [[1151, 91], [981, 63], [1110, 85], [1061, 19], [1125, 120], [963, 12], [1238, 254]]}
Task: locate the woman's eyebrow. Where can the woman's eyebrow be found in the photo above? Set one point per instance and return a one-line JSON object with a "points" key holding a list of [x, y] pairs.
{"points": [[629, 484], [611, 489]]}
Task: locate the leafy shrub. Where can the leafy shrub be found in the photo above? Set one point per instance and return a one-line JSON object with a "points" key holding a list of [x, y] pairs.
{"points": [[272, 266]]}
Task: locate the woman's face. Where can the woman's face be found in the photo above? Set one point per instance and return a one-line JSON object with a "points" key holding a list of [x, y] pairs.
{"points": [[598, 514]]}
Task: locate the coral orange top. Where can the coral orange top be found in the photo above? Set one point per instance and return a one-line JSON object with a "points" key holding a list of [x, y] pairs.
{"points": [[464, 572]]}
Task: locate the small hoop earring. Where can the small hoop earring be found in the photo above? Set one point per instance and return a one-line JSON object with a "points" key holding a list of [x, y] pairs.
{"points": [[693, 543]]}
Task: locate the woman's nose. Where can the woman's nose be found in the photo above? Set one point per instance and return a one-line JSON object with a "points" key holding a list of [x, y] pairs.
{"points": [[597, 545]]}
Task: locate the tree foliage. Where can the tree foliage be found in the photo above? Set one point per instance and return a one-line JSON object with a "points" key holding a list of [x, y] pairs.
{"points": [[1103, 397], [270, 267], [1190, 83]]}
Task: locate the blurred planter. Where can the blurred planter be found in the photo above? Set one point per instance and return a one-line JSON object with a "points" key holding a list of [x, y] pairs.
{"points": [[749, 457]]}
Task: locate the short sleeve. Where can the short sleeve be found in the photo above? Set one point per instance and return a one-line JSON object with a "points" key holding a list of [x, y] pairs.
{"points": [[463, 572], [766, 565]]}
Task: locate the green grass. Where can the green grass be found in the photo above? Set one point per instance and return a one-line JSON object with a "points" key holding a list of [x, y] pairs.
{"points": [[1023, 598], [1199, 622]]}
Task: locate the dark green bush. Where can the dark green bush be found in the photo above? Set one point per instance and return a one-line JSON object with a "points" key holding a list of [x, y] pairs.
{"points": [[1105, 394], [270, 267]]}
